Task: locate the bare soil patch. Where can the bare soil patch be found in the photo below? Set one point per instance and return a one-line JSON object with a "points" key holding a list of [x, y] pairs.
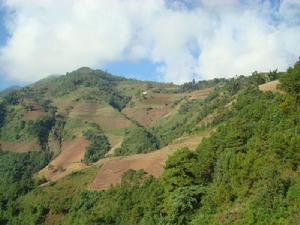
{"points": [[19, 146], [34, 115], [147, 116], [64, 104], [201, 94], [115, 142], [158, 105], [159, 98], [112, 169], [269, 86], [106, 116], [69, 160]]}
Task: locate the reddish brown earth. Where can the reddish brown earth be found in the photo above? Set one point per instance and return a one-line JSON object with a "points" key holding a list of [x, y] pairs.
{"points": [[69, 160], [19, 146], [157, 105], [160, 98], [34, 115], [154, 107], [147, 116], [113, 168]]}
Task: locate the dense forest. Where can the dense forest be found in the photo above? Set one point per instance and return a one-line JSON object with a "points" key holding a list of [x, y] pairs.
{"points": [[246, 172]]}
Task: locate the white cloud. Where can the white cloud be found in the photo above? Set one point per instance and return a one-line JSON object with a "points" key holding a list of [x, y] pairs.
{"points": [[231, 37]]}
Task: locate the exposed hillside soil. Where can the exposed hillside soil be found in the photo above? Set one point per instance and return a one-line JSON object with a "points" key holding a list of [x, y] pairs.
{"points": [[269, 86], [146, 116], [69, 160], [64, 104], [113, 168], [157, 105], [115, 142], [106, 116], [34, 115], [150, 109], [19, 146], [201, 93], [146, 111], [160, 98]]}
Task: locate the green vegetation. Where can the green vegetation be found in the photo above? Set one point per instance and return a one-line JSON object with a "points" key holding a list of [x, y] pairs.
{"points": [[189, 114], [15, 127], [16, 178], [103, 84], [246, 162], [2, 113], [52, 201], [12, 98], [255, 79], [72, 127], [291, 81], [42, 128], [193, 86], [98, 146], [138, 140]]}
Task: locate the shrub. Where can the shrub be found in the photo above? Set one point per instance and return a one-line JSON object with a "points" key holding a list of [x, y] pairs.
{"points": [[99, 144], [138, 140]]}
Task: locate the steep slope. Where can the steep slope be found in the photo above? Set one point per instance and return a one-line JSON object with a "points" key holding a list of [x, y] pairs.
{"points": [[112, 169], [52, 114]]}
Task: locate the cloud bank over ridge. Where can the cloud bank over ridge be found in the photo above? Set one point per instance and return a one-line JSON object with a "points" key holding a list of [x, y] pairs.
{"points": [[185, 39]]}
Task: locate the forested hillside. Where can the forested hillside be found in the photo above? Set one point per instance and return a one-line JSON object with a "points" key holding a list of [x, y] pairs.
{"points": [[246, 170]]}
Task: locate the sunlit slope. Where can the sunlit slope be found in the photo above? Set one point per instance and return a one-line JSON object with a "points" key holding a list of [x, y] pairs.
{"points": [[112, 169]]}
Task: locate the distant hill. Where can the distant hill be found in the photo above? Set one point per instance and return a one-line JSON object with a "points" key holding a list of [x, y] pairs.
{"points": [[9, 89]]}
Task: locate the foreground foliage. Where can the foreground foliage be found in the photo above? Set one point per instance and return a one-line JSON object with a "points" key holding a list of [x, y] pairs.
{"points": [[16, 178]]}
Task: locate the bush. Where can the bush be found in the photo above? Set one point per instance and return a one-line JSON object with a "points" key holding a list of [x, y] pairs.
{"points": [[290, 82], [138, 140], [99, 144], [2, 113], [16, 174]]}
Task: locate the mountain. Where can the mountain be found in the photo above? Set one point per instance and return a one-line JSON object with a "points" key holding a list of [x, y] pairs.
{"points": [[10, 89], [92, 148]]}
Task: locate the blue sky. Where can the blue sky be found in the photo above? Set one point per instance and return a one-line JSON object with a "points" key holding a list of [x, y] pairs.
{"points": [[4, 83], [161, 40]]}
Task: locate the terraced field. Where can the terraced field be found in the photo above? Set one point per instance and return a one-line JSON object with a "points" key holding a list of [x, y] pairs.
{"points": [[145, 111], [151, 107], [112, 169], [68, 161]]}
